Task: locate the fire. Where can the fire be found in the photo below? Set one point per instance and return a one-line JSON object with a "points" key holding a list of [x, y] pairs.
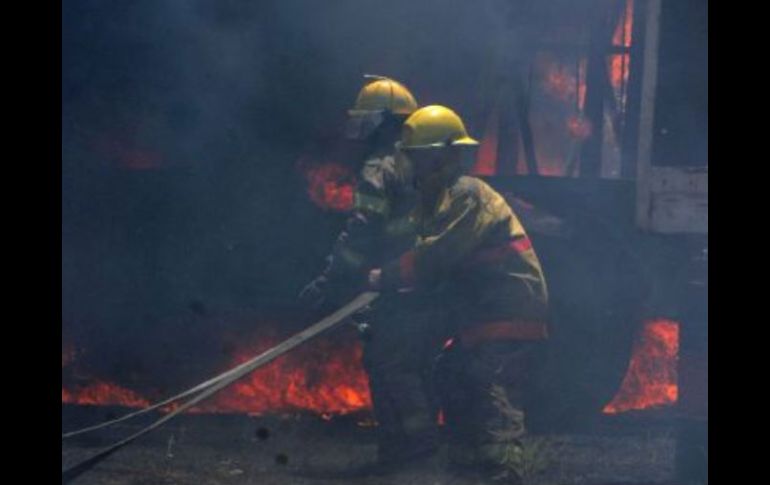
{"points": [[330, 185], [623, 30], [324, 378], [562, 82], [651, 379], [559, 82], [104, 394], [486, 158], [619, 70], [619, 63]]}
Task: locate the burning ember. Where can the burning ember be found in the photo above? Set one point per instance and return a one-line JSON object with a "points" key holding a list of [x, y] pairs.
{"points": [[330, 185], [651, 379], [619, 70], [324, 378], [104, 394]]}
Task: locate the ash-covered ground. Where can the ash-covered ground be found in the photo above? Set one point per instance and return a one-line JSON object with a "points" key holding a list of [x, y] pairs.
{"points": [[241, 450]]}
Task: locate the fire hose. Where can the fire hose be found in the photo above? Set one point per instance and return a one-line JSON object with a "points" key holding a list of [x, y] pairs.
{"points": [[213, 385]]}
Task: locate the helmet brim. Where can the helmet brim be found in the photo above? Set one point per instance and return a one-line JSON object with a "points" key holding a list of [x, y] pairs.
{"points": [[465, 141]]}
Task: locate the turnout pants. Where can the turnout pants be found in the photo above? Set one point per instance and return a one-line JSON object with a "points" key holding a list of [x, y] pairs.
{"points": [[482, 391], [398, 355]]}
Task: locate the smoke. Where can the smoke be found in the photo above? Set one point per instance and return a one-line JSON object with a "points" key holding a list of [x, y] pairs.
{"points": [[182, 122]]}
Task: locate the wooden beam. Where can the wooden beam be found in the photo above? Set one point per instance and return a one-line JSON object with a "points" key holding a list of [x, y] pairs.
{"points": [[508, 130], [647, 115], [630, 140], [521, 105]]}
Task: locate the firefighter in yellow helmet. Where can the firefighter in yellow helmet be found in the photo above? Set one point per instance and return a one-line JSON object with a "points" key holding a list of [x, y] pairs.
{"points": [[379, 228], [380, 98], [476, 271], [384, 193]]}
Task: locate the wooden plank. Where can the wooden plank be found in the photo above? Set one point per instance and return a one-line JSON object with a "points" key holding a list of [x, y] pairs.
{"points": [[647, 114]]}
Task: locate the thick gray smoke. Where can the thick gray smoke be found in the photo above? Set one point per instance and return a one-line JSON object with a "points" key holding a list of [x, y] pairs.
{"points": [[182, 122], [183, 214]]}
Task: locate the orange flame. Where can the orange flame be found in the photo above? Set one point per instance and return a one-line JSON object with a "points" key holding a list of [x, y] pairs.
{"points": [[619, 63], [486, 157], [623, 30], [330, 185], [324, 378], [104, 394], [619, 70], [651, 379]]}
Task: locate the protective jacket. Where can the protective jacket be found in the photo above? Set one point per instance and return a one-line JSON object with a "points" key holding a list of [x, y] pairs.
{"points": [[378, 229], [473, 255]]}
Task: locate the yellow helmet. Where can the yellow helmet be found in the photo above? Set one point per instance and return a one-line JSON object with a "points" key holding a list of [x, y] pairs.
{"points": [[434, 127], [383, 94]]}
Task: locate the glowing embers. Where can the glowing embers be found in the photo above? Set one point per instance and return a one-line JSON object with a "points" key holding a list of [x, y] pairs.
{"points": [[325, 378], [330, 185], [103, 394], [651, 379]]}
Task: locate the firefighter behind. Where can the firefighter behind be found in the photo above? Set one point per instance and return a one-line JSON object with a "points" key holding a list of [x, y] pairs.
{"points": [[398, 352], [384, 194], [474, 270]]}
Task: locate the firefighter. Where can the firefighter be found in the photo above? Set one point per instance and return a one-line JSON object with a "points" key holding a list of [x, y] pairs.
{"points": [[397, 354], [384, 193], [475, 266]]}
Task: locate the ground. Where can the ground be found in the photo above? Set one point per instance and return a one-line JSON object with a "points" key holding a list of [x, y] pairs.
{"points": [[241, 450]]}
